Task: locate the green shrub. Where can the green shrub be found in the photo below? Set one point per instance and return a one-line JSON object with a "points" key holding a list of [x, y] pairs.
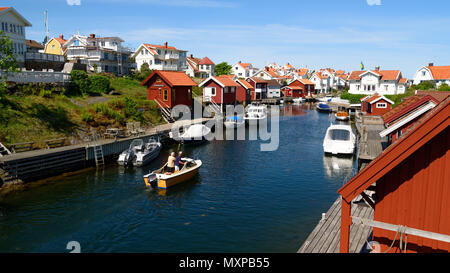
{"points": [[99, 84], [86, 117], [45, 93], [353, 98], [80, 83], [444, 87]]}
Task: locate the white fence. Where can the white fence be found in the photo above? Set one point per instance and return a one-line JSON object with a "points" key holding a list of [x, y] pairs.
{"points": [[35, 77], [34, 56]]}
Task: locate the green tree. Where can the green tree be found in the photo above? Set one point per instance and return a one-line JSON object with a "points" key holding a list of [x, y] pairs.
{"points": [[223, 69], [444, 87], [425, 85], [144, 72], [8, 61]]}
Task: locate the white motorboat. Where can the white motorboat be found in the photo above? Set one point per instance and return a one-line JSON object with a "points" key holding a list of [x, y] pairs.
{"points": [[256, 112], [151, 150], [195, 134], [298, 100], [234, 122], [339, 139], [127, 157]]}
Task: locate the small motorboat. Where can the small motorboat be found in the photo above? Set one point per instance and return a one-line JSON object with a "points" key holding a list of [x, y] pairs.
{"points": [[298, 100], [162, 179], [234, 122], [323, 107], [256, 112], [151, 150], [195, 134], [339, 139], [127, 157], [342, 116]]}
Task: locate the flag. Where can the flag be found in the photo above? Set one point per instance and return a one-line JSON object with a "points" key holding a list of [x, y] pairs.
{"points": [[362, 66]]}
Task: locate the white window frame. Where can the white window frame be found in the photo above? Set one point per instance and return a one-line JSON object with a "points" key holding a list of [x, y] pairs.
{"points": [[381, 105], [213, 91]]}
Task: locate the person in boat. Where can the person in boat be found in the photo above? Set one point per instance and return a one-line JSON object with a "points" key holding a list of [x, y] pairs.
{"points": [[178, 161], [171, 162]]}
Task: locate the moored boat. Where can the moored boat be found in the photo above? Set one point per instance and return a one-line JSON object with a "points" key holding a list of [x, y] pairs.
{"points": [[127, 157], [323, 107], [195, 134], [256, 112], [163, 179], [150, 151], [342, 116], [339, 139], [298, 100], [234, 122]]}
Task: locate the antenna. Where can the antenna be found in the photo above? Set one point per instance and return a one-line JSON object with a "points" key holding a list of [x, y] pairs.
{"points": [[46, 25]]}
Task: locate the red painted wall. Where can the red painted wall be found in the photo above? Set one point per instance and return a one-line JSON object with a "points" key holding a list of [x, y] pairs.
{"points": [[243, 95], [416, 194], [228, 97], [371, 109], [179, 95]]}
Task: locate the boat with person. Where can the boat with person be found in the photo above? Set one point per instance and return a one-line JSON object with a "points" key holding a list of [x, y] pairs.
{"points": [[298, 100], [195, 134], [234, 122], [163, 179], [323, 107], [341, 116], [339, 139], [256, 112]]}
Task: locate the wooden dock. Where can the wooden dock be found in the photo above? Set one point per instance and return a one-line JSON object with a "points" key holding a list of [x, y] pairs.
{"points": [[370, 142], [325, 236]]}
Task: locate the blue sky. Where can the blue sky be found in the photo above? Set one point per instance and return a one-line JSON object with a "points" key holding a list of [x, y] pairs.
{"points": [[398, 34]]}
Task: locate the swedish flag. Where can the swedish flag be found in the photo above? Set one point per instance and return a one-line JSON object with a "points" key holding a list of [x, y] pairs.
{"points": [[362, 66]]}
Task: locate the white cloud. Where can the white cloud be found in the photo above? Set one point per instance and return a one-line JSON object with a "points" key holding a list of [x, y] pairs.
{"points": [[73, 2], [374, 2]]}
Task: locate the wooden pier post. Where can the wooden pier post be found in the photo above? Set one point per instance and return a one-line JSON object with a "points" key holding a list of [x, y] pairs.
{"points": [[346, 222]]}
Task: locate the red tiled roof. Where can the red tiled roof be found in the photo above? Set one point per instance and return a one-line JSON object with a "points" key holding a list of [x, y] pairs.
{"points": [[405, 107], [33, 44], [159, 46], [306, 81], [245, 65], [226, 80], [438, 95], [60, 41], [386, 75], [173, 78], [258, 80], [440, 72], [206, 60], [355, 75], [245, 84], [4, 8]]}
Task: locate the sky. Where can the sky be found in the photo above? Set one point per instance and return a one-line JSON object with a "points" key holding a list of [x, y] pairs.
{"points": [[392, 34]]}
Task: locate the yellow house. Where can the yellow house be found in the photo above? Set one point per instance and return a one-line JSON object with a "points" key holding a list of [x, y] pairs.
{"points": [[54, 46]]}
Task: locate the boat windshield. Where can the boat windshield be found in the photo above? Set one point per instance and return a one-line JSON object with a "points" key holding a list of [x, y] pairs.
{"points": [[339, 134]]}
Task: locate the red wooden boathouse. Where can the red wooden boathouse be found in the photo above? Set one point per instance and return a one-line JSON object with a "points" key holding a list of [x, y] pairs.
{"points": [[412, 189], [375, 105], [298, 88], [169, 88]]}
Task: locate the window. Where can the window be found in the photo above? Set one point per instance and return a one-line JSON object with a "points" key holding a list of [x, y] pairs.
{"points": [[386, 87], [213, 91], [233, 89], [381, 105], [424, 73], [166, 95], [76, 43]]}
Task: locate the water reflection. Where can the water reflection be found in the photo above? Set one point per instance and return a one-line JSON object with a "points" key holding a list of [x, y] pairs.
{"points": [[338, 167]]}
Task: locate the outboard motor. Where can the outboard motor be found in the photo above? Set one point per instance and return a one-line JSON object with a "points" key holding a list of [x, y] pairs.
{"points": [[129, 157]]}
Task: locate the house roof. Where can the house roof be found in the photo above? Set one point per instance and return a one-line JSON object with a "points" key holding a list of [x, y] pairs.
{"points": [[244, 83], [305, 81], [273, 83], [375, 98], [385, 75], [438, 95], [61, 41], [403, 80], [405, 107], [302, 71], [173, 78], [246, 66], [6, 9], [33, 44], [440, 72], [427, 127], [206, 60], [160, 46], [258, 80]]}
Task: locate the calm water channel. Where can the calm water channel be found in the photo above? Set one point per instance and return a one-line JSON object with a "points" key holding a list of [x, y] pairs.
{"points": [[243, 200]]}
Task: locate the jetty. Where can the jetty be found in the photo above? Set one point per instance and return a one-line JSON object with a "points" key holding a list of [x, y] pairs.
{"points": [[370, 142], [38, 164], [325, 237]]}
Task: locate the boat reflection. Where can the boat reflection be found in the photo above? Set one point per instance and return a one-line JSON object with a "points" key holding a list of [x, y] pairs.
{"points": [[338, 166]]}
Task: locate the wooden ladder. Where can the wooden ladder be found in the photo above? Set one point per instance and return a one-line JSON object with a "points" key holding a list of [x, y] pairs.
{"points": [[98, 152]]}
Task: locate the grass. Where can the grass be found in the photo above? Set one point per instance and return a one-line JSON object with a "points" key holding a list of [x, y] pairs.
{"points": [[39, 117]]}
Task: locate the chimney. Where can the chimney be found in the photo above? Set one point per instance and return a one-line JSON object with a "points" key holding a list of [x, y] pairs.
{"points": [[61, 37], [92, 35], [377, 68], [192, 56], [165, 44], [239, 61], [431, 64]]}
